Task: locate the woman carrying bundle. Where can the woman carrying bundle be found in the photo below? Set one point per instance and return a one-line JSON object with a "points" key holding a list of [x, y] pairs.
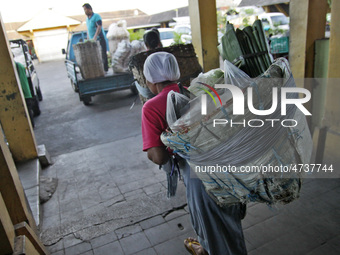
{"points": [[218, 228]]}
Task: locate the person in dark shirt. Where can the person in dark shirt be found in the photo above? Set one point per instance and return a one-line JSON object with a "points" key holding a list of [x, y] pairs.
{"points": [[152, 40]]}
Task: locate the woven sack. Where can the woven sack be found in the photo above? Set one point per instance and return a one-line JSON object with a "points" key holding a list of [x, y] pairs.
{"points": [[117, 32], [89, 59], [185, 56]]}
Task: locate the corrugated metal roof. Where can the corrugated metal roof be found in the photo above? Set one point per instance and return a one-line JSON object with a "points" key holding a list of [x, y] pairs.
{"points": [[11, 35], [112, 15], [169, 15], [13, 26], [131, 23], [140, 21], [48, 19], [51, 19], [261, 2]]}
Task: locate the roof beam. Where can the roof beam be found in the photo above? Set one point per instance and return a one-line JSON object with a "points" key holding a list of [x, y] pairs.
{"points": [[280, 8]]}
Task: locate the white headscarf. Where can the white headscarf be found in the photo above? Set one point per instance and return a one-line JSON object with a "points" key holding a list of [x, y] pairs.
{"points": [[161, 66]]}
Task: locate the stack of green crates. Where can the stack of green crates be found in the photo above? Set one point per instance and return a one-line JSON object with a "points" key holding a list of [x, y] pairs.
{"points": [[248, 49]]}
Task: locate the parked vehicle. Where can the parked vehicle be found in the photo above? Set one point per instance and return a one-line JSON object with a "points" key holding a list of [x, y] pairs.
{"points": [[185, 32], [167, 36], [276, 26], [87, 88], [274, 20], [183, 29], [21, 55]]}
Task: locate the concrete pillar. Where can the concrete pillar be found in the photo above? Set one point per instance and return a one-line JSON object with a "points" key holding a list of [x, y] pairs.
{"points": [[13, 112], [316, 28], [332, 116], [332, 107], [203, 21], [298, 11], [307, 24]]}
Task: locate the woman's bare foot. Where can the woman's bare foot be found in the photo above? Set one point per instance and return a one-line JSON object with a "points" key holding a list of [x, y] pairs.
{"points": [[194, 247]]}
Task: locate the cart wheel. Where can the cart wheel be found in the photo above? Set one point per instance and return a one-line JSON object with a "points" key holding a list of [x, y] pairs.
{"points": [[86, 100], [74, 86], [133, 89], [38, 91], [35, 106]]}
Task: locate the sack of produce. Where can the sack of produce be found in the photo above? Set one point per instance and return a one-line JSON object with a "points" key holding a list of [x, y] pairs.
{"points": [[117, 32], [120, 57], [137, 47]]}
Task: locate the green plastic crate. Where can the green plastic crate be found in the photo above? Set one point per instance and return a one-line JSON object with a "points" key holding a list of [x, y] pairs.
{"points": [[279, 45]]}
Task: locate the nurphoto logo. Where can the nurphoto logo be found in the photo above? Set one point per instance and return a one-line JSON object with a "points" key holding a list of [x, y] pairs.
{"points": [[239, 104]]}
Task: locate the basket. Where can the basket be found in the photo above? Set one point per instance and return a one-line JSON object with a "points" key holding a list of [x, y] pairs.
{"points": [[185, 56], [89, 59]]}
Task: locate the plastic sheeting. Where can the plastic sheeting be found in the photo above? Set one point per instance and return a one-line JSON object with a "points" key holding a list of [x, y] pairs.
{"points": [[125, 50], [211, 149], [117, 32]]}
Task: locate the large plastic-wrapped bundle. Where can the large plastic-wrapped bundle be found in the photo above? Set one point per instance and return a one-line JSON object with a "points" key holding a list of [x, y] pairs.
{"points": [[212, 77], [89, 59], [117, 32], [18, 54], [248, 160], [121, 56], [137, 47]]}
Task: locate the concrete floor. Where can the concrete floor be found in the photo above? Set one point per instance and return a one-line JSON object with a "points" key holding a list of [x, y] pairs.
{"points": [[111, 199]]}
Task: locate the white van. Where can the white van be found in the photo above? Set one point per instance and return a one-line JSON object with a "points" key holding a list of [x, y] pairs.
{"points": [[167, 36], [272, 19], [185, 31]]}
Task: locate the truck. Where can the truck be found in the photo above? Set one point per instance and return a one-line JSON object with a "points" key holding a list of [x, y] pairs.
{"points": [[87, 88]]}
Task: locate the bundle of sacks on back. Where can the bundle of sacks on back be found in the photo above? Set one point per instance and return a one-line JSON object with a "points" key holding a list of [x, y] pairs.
{"points": [[120, 47], [243, 137]]}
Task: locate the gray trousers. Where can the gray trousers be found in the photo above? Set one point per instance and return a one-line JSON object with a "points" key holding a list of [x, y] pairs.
{"points": [[104, 55], [218, 228]]}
